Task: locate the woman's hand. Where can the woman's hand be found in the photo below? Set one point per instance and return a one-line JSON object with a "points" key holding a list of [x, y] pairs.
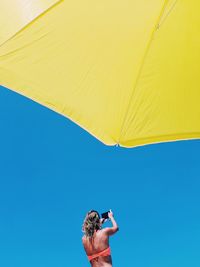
{"points": [[110, 214]]}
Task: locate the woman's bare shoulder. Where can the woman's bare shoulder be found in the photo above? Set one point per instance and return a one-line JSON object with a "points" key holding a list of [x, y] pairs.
{"points": [[84, 242], [104, 230], [84, 239], [109, 230]]}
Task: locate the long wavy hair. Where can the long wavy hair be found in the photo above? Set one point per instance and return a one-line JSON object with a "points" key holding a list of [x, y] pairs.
{"points": [[91, 223]]}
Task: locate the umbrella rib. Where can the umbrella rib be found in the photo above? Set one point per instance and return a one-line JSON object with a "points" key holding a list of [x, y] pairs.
{"points": [[168, 13], [156, 27]]}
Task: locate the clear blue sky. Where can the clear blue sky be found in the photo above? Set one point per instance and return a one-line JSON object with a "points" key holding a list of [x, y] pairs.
{"points": [[52, 172]]}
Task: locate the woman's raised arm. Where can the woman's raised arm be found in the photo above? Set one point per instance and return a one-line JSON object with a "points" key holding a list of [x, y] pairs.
{"points": [[111, 230]]}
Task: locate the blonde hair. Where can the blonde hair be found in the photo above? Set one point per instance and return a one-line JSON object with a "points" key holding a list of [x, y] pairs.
{"points": [[91, 223]]}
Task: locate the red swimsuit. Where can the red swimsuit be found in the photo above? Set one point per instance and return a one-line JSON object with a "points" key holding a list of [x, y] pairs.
{"points": [[105, 252]]}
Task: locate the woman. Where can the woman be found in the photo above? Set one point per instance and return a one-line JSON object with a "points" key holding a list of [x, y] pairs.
{"points": [[96, 239]]}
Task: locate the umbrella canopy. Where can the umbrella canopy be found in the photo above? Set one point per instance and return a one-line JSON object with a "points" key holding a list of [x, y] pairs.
{"points": [[126, 71]]}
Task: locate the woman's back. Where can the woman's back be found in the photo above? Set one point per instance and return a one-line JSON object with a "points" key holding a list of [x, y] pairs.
{"points": [[96, 239], [98, 243]]}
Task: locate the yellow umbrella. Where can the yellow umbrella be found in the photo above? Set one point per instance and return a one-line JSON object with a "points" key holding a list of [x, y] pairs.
{"points": [[126, 71]]}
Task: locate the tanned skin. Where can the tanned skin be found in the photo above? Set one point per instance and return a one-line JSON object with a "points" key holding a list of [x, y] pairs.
{"points": [[101, 242]]}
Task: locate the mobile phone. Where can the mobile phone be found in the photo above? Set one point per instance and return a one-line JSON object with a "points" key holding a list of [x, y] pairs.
{"points": [[105, 215]]}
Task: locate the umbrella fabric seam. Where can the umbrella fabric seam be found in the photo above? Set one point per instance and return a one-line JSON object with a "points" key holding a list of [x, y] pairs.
{"points": [[142, 64]]}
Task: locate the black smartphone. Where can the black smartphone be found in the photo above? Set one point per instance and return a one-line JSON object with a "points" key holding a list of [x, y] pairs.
{"points": [[105, 215]]}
